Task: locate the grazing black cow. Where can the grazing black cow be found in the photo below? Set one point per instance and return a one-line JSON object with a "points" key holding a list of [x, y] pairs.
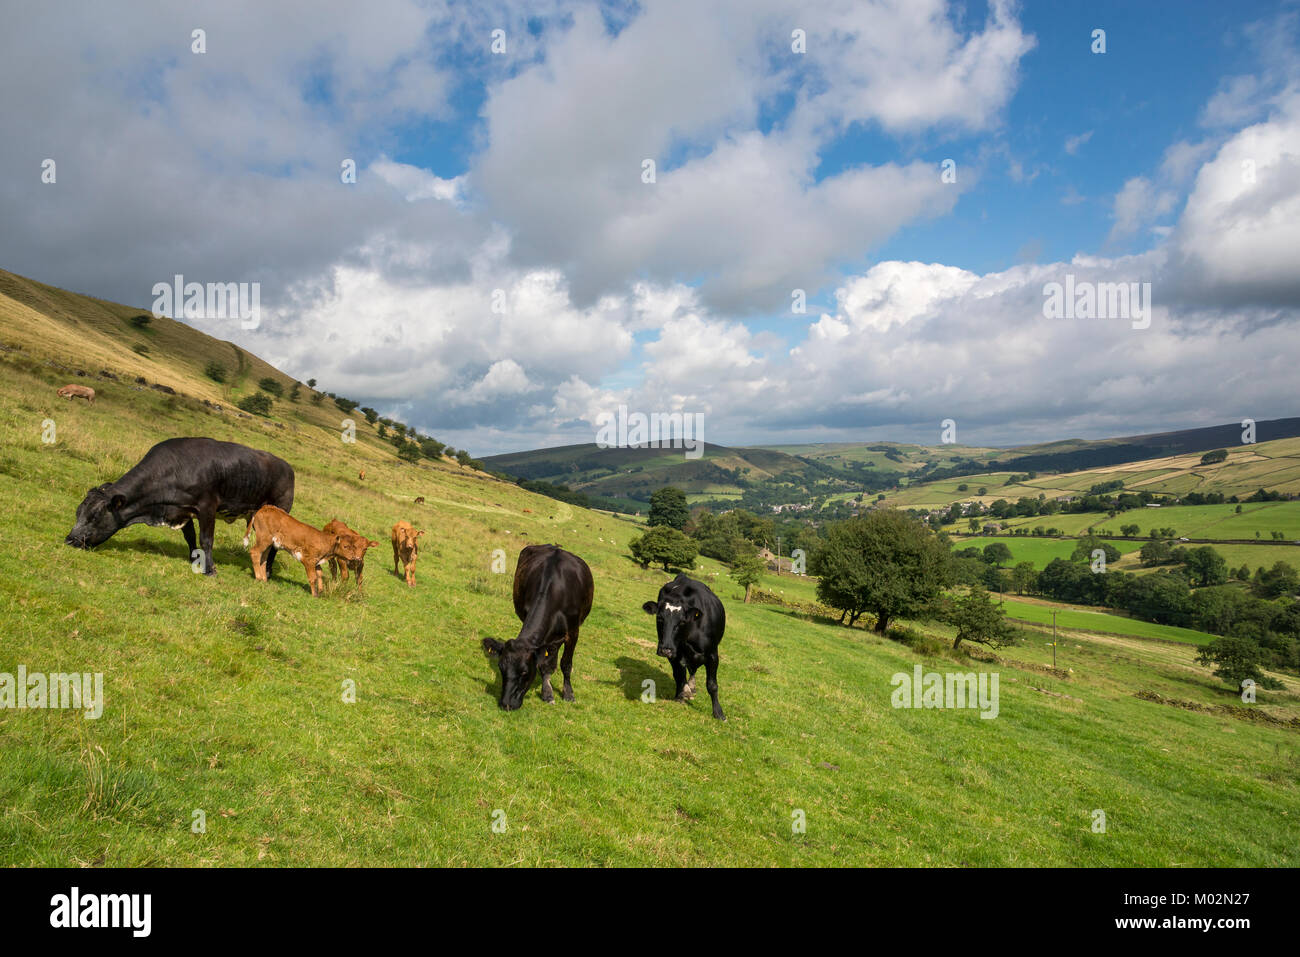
{"points": [[553, 594], [182, 479], [690, 619]]}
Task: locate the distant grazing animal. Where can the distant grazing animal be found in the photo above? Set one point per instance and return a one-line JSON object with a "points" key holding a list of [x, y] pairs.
{"points": [[690, 621], [553, 595], [361, 474], [78, 392], [275, 528], [406, 549], [179, 480], [359, 543], [419, 500]]}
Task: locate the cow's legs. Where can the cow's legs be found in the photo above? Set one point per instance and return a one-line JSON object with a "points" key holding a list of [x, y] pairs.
{"points": [[546, 665], [711, 682], [207, 530], [270, 559], [360, 567], [566, 664], [188, 531], [679, 675]]}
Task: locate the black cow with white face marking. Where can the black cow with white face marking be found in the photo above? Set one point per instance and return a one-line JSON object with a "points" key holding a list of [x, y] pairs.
{"points": [[179, 480], [553, 596], [690, 620]]}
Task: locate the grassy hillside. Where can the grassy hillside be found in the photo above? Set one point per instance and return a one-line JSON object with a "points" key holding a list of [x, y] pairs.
{"points": [[225, 695]]}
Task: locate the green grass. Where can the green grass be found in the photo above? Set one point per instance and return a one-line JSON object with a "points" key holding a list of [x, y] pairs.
{"points": [[1040, 551], [225, 694], [1102, 622]]}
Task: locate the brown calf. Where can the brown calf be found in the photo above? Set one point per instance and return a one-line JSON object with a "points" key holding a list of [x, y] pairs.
{"points": [[276, 528], [78, 392], [419, 500], [406, 549], [362, 475], [359, 544]]}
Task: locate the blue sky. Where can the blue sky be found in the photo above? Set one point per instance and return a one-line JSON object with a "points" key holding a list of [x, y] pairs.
{"points": [[515, 179]]}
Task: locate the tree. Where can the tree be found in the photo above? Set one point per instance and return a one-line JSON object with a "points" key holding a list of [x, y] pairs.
{"points": [[885, 562], [215, 371], [1236, 660], [1205, 566], [748, 571], [311, 383], [997, 553], [409, 452], [463, 457], [668, 507], [977, 618], [1086, 546], [1130, 530], [1218, 455], [259, 403], [1023, 577], [663, 545], [431, 448], [1155, 553], [142, 321], [1277, 581]]}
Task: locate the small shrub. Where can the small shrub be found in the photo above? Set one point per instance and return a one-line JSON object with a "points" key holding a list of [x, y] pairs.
{"points": [[259, 403], [271, 387], [141, 348], [215, 371]]}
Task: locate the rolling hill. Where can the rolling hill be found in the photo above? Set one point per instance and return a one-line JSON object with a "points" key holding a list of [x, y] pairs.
{"points": [[226, 701]]}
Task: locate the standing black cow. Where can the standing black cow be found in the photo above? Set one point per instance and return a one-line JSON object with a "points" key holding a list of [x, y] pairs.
{"points": [[553, 595], [690, 619], [182, 479]]}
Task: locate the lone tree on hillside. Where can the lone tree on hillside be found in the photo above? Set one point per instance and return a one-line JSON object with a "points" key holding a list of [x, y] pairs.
{"points": [[664, 546], [1236, 660], [884, 562], [977, 618], [668, 507], [748, 571]]}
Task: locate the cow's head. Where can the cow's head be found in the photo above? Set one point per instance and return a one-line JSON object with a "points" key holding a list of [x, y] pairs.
{"points": [[675, 615], [518, 668], [99, 517], [352, 548]]}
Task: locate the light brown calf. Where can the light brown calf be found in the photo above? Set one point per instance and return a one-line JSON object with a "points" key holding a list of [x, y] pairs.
{"points": [[358, 542], [311, 546], [406, 549], [362, 475], [78, 392]]}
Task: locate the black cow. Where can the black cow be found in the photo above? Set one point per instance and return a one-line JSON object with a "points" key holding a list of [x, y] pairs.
{"points": [[182, 479], [553, 594], [690, 619]]}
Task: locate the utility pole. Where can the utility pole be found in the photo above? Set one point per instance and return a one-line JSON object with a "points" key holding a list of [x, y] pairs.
{"points": [[1053, 637], [778, 555]]}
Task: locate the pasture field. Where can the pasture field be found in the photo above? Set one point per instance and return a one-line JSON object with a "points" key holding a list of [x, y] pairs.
{"points": [[226, 696], [1040, 551], [1274, 465], [1092, 620], [1191, 521]]}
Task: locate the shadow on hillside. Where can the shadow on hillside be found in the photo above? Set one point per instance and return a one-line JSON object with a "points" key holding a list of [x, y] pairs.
{"points": [[223, 556], [859, 625], [633, 671]]}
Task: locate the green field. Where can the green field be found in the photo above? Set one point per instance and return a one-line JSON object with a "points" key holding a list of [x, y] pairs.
{"points": [[1191, 521], [1103, 622], [1040, 551], [226, 696]]}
